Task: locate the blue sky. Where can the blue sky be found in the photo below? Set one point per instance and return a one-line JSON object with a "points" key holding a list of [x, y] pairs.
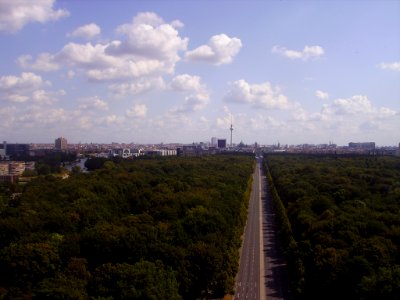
{"points": [[178, 71]]}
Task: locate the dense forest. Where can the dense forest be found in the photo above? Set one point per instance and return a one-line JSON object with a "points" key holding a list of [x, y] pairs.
{"points": [[142, 229], [340, 223]]}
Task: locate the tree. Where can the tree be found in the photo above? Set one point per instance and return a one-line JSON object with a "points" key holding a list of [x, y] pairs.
{"points": [[143, 280]]}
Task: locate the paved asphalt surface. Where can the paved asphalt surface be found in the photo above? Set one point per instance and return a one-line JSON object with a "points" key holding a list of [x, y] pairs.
{"points": [[248, 278], [261, 271]]}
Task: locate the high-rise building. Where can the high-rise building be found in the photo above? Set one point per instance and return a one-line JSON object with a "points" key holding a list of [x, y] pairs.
{"points": [[221, 143], [61, 143], [3, 149], [16, 150], [213, 142]]}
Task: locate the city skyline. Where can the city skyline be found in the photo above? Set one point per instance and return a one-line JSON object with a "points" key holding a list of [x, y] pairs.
{"points": [[178, 72]]}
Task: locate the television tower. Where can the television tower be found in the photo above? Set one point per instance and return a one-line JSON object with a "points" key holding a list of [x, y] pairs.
{"points": [[231, 129]]}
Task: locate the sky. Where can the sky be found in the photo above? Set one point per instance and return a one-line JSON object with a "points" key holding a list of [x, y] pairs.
{"points": [[284, 71]]}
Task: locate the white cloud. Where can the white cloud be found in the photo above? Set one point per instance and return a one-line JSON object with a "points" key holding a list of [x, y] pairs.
{"points": [[197, 101], [309, 52], [38, 116], [138, 110], [193, 102], [94, 103], [262, 95], [347, 116], [186, 82], [87, 31], [111, 120], [395, 66], [46, 97], [44, 62], [149, 37], [198, 96], [357, 104], [137, 86], [149, 18], [7, 116], [28, 86], [18, 98], [103, 67], [177, 24], [223, 122], [149, 48], [86, 56], [125, 70], [220, 49], [27, 81], [15, 14], [321, 95]]}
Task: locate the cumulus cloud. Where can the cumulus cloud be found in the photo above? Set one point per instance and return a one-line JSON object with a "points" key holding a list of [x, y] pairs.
{"points": [[111, 120], [149, 47], [220, 49], [308, 52], [195, 102], [355, 110], [39, 117], [186, 82], [94, 103], [44, 62], [357, 104], [14, 15], [28, 86], [138, 86], [86, 56], [87, 31], [197, 94], [26, 81], [262, 95], [148, 36], [149, 18], [137, 110], [7, 116], [321, 95], [395, 66], [46, 97]]}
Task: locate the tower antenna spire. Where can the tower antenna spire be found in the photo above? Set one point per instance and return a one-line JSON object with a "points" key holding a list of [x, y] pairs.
{"points": [[231, 129]]}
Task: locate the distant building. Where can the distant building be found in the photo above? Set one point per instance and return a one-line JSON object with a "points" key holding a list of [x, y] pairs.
{"points": [[213, 142], [16, 168], [161, 152], [10, 171], [16, 150], [362, 146], [190, 150], [61, 144], [121, 152], [3, 168], [3, 150], [221, 143]]}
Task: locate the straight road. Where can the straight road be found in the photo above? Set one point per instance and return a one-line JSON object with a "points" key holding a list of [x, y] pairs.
{"points": [[274, 264], [249, 281], [262, 271]]}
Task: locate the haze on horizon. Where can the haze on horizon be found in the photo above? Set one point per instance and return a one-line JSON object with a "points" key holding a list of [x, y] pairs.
{"points": [[179, 71]]}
